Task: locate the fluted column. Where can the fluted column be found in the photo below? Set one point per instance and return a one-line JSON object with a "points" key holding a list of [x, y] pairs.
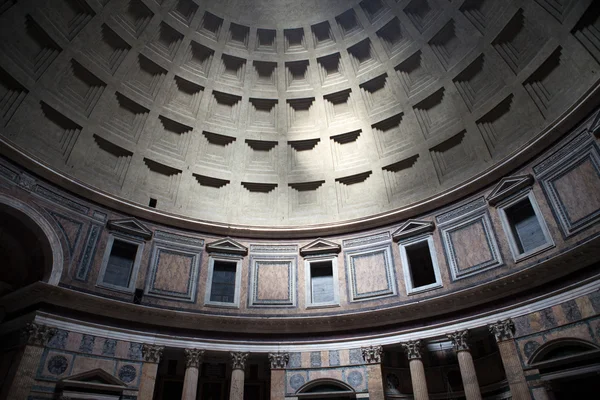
{"points": [[278, 363], [238, 365], [193, 360], [372, 356], [417, 371], [503, 332], [36, 337], [465, 362], [152, 355]]}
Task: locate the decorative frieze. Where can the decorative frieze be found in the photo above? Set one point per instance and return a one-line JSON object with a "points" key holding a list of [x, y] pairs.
{"points": [[279, 360], [152, 353], [193, 357], [459, 340], [37, 335], [238, 360], [503, 330], [413, 349], [372, 354]]}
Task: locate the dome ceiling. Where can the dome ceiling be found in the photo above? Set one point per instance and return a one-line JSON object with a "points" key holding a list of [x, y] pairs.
{"points": [[279, 13], [287, 113]]}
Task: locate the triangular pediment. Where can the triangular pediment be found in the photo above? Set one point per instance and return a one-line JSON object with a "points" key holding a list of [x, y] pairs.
{"points": [[227, 246], [412, 227], [320, 246], [96, 379], [508, 186], [130, 226]]}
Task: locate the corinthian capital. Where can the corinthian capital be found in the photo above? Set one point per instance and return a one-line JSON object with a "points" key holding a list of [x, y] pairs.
{"points": [[279, 360], [238, 360], [193, 357], [372, 354], [413, 349], [152, 353], [503, 330], [459, 340], [37, 335]]}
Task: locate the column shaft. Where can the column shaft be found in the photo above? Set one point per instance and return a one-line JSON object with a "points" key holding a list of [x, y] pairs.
{"points": [[469, 377], [148, 380], [277, 384], [190, 383], [24, 378], [236, 392], [514, 373], [417, 376], [376, 391]]}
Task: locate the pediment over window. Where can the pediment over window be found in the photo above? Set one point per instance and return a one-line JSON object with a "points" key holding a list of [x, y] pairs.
{"points": [[508, 186], [320, 246], [130, 226], [412, 227], [227, 246], [94, 381]]}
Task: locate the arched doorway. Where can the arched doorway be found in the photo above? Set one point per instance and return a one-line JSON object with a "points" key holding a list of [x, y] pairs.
{"points": [[29, 248], [329, 389], [571, 366]]}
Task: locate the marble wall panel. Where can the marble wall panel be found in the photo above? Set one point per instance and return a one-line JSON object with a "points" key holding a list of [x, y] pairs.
{"points": [[570, 179], [273, 281], [174, 272], [370, 273]]}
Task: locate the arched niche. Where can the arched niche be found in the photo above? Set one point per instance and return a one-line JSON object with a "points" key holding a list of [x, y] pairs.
{"points": [[561, 349], [330, 389], [30, 249]]}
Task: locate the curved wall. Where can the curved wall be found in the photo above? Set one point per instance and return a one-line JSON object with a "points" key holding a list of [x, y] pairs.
{"points": [[469, 240], [376, 110]]}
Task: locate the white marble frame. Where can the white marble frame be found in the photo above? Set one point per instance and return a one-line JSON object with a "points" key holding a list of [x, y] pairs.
{"points": [[136, 263], [512, 241], [237, 259], [402, 245], [334, 272]]}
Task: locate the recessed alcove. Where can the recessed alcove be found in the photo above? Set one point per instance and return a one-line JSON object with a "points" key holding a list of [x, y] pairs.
{"points": [[210, 26], [348, 23], [238, 35], [394, 37], [297, 75], [294, 40], [322, 35], [198, 59], [265, 40]]}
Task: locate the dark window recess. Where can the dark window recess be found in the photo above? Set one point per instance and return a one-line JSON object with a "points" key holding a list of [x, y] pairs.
{"points": [[172, 367], [525, 226], [152, 203], [172, 389], [420, 264], [321, 282], [120, 264], [138, 296], [223, 282]]}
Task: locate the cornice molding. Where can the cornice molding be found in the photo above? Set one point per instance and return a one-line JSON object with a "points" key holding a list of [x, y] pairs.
{"points": [[321, 344]]}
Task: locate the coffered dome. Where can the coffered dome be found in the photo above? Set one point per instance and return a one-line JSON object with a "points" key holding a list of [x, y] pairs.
{"points": [[286, 114]]}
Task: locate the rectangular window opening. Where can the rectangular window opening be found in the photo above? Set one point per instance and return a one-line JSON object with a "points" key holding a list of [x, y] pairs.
{"points": [[223, 282], [421, 265], [321, 282], [120, 263], [525, 227], [152, 203]]}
